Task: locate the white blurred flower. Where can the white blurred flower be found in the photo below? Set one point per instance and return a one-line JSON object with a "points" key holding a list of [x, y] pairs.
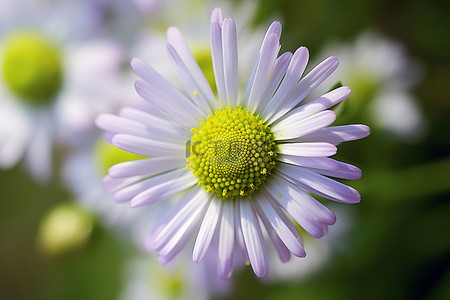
{"points": [[381, 75], [146, 279], [52, 78]]}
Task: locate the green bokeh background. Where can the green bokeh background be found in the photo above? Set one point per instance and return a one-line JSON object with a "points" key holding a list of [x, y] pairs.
{"points": [[399, 246]]}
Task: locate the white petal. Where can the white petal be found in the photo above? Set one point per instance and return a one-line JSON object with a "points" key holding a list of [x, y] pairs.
{"points": [[307, 149], [189, 83], [165, 105], [163, 191], [147, 167], [279, 70], [127, 193], [320, 185], [253, 239], [240, 248], [230, 60], [337, 134], [165, 88], [324, 165], [169, 131], [290, 128], [118, 124], [304, 209], [146, 147], [226, 241], [274, 29], [320, 104], [217, 60], [307, 85], [269, 52], [217, 16], [171, 232], [280, 247], [176, 40], [294, 72], [207, 229], [282, 226]]}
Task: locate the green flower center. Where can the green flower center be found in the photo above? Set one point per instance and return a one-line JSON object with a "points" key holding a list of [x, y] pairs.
{"points": [[233, 153], [31, 67]]}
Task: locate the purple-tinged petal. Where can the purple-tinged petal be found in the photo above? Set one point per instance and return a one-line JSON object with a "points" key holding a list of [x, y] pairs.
{"points": [[177, 222], [217, 16], [320, 104], [294, 72], [164, 191], [324, 165], [146, 147], [226, 241], [304, 209], [290, 128], [283, 252], [217, 60], [337, 134], [127, 193], [279, 70], [282, 226], [230, 60], [114, 184], [254, 240], [176, 40], [207, 229], [269, 52], [306, 86], [165, 105], [164, 88], [320, 185], [307, 149], [147, 167]]}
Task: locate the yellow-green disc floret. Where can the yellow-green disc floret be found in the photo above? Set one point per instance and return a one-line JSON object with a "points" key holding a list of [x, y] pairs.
{"points": [[31, 67], [233, 153]]}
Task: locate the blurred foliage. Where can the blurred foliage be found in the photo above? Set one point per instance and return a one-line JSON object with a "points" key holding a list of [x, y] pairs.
{"points": [[399, 246]]}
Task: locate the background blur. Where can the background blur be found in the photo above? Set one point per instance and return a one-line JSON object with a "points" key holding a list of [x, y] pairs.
{"points": [[395, 244]]}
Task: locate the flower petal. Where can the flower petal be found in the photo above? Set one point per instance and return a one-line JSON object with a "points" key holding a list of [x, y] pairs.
{"points": [[179, 45], [319, 184], [226, 241], [147, 167], [324, 165], [307, 149], [217, 59], [282, 226], [279, 70], [171, 228], [283, 252], [320, 104], [253, 239], [337, 134], [306, 86], [142, 146], [207, 229], [293, 128], [294, 72]]}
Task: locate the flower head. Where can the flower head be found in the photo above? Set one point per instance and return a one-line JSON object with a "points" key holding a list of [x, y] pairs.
{"points": [[48, 94], [254, 158]]}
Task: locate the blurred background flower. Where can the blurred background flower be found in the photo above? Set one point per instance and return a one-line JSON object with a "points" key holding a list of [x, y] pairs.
{"points": [[394, 56]]}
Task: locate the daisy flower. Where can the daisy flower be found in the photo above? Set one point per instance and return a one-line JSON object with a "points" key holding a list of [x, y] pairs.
{"points": [[253, 158], [48, 76]]}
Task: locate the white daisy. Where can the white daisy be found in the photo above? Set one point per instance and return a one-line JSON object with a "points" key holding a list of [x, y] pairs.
{"points": [[254, 158], [39, 44]]}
